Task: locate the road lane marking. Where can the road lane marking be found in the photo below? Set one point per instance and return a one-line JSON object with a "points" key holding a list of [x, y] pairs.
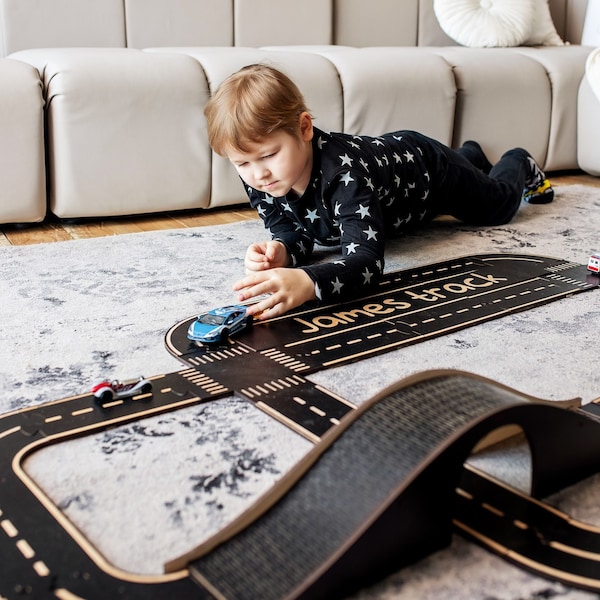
{"points": [[10, 530], [10, 431], [82, 411], [41, 568], [25, 549]]}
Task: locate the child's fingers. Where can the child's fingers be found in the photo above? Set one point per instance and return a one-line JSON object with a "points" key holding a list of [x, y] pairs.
{"points": [[252, 285], [271, 250]]}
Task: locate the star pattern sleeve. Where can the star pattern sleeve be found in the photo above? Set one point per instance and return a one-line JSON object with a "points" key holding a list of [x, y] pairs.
{"points": [[278, 219], [353, 200]]}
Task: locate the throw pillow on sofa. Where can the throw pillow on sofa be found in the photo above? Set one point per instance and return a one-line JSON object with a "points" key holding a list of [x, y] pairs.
{"points": [[497, 23], [485, 23], [543, 32]]}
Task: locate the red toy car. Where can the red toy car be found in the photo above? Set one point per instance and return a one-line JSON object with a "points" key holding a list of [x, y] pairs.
{"points": [[594, 263], [110, 390]]}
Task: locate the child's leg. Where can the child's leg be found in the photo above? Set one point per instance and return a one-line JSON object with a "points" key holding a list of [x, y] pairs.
{"points": [[475, 155], [477, 198]]}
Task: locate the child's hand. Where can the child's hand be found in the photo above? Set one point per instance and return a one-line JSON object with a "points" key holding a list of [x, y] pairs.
{"points": [[266, 255], [287, 289]]}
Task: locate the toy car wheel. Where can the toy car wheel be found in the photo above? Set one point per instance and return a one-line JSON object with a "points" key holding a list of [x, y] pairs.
{"points": [[105, 396], [146, 388], [225, 335]]}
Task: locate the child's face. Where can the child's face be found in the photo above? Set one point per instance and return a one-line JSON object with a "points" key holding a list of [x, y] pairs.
{"points": [[279, 163]]}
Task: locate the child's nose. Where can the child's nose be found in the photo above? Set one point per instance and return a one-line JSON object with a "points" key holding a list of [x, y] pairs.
{"points": [[261, 171]]}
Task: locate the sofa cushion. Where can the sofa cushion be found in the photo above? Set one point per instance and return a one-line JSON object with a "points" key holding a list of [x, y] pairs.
{"points": [[22, 170], [178, 23], [26, 24], [504, 100], [126, 131], [564, 67], [486, 23]]}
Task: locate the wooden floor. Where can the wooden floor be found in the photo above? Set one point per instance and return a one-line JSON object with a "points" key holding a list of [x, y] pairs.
{"points": [[54, 230]]}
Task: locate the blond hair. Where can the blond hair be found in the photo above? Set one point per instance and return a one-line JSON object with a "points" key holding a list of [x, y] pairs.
{"points": [[251, 104]]}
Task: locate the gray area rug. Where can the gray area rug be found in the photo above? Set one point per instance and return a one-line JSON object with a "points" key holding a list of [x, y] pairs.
{"points": [[74, 313]]}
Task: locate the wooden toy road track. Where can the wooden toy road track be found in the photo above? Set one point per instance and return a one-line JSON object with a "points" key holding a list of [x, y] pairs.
{"points": [[267, 363], [400, 454], [376, 493]]}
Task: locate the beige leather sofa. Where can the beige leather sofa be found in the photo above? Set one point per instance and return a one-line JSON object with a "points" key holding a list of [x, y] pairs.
{"points": [[101, 101]]}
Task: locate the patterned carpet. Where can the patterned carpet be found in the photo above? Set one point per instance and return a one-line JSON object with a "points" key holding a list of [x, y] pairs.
{"points": [[74, 313]]}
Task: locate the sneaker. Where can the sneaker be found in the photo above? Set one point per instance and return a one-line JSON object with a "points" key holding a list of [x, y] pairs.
{"points": [[538, 189], [543, 194]]}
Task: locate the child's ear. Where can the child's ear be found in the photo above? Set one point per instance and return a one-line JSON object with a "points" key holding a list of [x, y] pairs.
{"points": [[306, 127]]}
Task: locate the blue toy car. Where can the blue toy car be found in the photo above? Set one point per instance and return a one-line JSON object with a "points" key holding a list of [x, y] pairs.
{"points": [[218, 324]]}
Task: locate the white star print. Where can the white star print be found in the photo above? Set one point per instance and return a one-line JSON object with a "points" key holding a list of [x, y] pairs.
{"points": [[365, 164], [401, 222], [318, 292], [367, 276], [346, 179], [377, 142], [346, 160], [312, 215], [321, 142], [398, 181], [260, 209], [301, 248], [363, 211], [336, 209], [369, 183], [351, 248], [371, 233], [286, 206], [269, 199], [337, 286], [397, 157], [409, 157]]}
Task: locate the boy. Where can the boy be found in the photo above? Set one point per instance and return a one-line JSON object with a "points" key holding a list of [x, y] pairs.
{"points": [[311, 187]]}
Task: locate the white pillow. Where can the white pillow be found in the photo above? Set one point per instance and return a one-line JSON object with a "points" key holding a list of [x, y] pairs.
{"points": [[486, 23], [592, 71], [543, 32]]}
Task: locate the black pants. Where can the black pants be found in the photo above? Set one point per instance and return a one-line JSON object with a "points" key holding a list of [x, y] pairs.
{"points": [[460, 189]]}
